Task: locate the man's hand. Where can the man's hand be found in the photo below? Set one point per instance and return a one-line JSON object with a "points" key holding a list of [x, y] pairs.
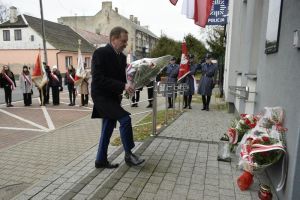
{"points": [[129, 88]]}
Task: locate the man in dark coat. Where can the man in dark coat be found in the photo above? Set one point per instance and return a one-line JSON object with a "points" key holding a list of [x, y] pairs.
{"points": [[206, 84], [108, 84], [55, 81]]}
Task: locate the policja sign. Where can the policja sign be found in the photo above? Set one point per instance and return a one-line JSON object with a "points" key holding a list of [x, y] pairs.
{"points": [[219, 11]]}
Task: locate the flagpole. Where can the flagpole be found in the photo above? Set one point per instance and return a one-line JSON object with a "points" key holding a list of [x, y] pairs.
{"points": [[43, 30]]}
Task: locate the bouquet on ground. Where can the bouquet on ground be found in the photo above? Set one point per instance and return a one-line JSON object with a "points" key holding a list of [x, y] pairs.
{"points": [[262, 146], [239, 127], [141, 72]]}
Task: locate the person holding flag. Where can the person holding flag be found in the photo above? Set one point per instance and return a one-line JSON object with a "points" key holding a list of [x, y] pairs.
{"points": [[40, 79], [55, 80], [26, 86], [190, 81], [70, 81], [7, 81]]}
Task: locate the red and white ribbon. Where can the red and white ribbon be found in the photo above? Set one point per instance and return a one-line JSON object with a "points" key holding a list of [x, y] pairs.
{"points": [[12, 84]]}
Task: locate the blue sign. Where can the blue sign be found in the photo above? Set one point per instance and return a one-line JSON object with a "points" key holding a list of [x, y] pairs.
{"points": [[219, 13]]}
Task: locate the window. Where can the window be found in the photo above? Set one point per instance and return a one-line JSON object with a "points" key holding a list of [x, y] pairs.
{"points": [[87, 60], [18, 34], [32, 38], [273, 26], [68, 60], [6, 35]]}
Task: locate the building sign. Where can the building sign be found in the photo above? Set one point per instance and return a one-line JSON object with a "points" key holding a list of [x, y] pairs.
{"points": [[219, 12]]}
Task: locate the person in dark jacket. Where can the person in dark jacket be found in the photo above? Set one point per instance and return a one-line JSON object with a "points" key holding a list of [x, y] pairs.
{"points": [[207, 83], [55, 80], [172, 71], [69, 81], [108, 84], [7, 81], [189, 80]]}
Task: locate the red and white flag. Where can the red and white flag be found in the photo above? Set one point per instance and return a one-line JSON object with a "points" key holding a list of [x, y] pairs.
{"points": [[202, 11], [39, 76], [184, 68], [199, 10]]}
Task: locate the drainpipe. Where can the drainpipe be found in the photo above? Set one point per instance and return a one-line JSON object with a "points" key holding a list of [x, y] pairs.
{"points": [[57, 59]]}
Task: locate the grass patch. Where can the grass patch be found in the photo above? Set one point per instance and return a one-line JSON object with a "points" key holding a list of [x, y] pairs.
{"points": [[140, 133]]}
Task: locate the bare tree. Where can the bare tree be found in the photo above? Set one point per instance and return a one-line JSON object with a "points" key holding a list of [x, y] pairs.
{"points": [[4, 12]]}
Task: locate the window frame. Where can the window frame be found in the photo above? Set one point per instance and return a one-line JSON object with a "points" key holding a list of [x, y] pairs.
{"points": [[5, 35], [18, 34]]}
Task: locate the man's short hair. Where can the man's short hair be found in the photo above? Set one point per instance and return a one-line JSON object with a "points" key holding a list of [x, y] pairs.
{"points": [[116, 32]]}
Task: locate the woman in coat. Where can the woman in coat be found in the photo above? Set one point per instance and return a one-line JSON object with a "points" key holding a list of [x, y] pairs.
{"points": [[206, 84], [26, 86], [84, 87], [7, 81]]}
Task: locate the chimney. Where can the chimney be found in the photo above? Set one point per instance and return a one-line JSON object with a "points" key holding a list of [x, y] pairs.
{"points": [[13, 15], [135, 19], [117, 10], [131, 17], [106, 5]]}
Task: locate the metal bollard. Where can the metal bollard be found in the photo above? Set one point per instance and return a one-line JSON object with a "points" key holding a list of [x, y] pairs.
{"points": [[174, 98], [154, 107]]}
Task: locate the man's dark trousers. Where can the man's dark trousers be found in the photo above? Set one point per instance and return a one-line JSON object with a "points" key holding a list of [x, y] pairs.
{"points": [[108, 126]]}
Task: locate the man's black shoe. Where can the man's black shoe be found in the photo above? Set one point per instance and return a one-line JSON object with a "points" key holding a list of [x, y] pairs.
{"points": [[106, 165], [149, 106], [185, 107], [190, 107], [133, 160]]}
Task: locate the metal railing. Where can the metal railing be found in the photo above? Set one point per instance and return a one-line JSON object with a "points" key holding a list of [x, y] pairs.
{"points": [[165, 90]]}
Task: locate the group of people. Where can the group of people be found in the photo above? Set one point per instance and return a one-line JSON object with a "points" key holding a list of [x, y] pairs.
{"points": [[206, 83], [54, 82]]}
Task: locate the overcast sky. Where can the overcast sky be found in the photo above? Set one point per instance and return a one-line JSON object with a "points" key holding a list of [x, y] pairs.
{"points": [[160, 15]]}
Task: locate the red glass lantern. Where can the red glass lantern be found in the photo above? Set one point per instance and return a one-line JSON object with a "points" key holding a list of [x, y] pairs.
{"points": [[264, 192]]}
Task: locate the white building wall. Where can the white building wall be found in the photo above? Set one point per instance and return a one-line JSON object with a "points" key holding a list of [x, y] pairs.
{"points": [[26, 42]]}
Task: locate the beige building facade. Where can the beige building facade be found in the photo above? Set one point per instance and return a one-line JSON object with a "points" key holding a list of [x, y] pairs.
{"points": [[141, 40]]}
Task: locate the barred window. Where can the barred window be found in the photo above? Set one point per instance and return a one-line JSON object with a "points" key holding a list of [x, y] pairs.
{"points": [[18, 34], [68, 61], [6, 35]]}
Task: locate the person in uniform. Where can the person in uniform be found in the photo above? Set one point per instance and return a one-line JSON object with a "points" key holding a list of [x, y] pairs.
{"points": [[172, 70], [26, 85], [108, 84], [189, 80], [207, 83]]}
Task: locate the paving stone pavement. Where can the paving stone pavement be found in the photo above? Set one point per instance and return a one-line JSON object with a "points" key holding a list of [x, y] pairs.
{"points": [[181, 163]]}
